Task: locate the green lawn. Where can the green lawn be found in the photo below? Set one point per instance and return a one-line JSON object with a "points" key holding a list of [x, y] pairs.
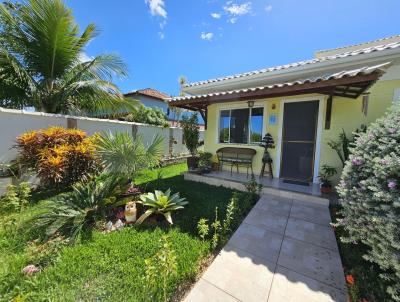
{"points": [[111, 266]]}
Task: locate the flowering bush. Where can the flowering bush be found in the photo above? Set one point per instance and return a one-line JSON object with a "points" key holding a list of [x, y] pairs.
{"points": [[370, 190], [60, 156]]}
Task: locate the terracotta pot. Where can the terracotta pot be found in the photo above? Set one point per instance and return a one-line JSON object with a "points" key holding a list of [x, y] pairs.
{"points": [[192, 162]]}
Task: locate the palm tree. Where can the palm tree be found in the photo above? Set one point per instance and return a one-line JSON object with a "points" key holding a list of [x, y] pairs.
{"points": [[41, 62]]}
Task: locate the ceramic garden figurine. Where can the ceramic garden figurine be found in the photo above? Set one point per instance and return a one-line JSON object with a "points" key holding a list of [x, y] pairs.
{"points": [[130, 212]]}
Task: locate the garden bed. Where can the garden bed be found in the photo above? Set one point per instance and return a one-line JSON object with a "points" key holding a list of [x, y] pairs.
{"points": [[362, 277], [112, 266]]}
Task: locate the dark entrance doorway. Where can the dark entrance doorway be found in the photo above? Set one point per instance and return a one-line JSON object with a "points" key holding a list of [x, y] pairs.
{"points": [[298, 141]]}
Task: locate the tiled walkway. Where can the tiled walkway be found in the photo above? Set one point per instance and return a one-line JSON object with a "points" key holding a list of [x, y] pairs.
{"points": [[285, 250]]}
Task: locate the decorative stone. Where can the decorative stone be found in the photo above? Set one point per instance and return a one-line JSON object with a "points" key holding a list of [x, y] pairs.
{"points": [[30, 270]]}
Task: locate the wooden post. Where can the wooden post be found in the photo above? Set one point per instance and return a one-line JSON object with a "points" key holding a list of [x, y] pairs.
{"points": [[328, 114], [72, 123]]}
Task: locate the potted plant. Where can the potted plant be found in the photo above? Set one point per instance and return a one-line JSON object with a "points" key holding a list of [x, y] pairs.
{"points": [[326, 173], [205, 162], [191, 135]]}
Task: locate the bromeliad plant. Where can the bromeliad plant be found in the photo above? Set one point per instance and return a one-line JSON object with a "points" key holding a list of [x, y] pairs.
{"points": [[161, 203]]}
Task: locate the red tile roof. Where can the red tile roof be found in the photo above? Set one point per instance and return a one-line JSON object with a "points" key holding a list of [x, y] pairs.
{"points": [[151, 93]]}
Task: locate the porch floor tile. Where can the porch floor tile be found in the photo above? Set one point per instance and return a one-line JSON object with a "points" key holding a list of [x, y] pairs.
{"points": [[276, 255]]}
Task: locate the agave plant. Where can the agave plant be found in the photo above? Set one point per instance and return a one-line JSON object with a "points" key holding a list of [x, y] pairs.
{"points": [[120, 153], [75, 213], [162, 203]]}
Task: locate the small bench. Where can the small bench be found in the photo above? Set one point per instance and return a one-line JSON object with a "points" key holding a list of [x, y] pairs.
{"points": [[234, 156]]}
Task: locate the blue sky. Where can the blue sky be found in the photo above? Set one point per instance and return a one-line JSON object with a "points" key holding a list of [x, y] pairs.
{"points": [[161, 40]]}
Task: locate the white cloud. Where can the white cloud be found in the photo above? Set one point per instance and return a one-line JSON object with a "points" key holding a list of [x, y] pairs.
{"points": [[268, 8], [237, 9], [157, 8], [83, 57], [233, 20], [216, 15], [206, 36]]}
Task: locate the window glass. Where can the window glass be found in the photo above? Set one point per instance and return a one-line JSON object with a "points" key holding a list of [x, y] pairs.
{"points": [[239, 126], [224, 126], [256, 125]]}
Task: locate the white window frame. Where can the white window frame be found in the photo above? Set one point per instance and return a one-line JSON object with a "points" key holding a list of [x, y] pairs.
{"points": [[249, 127]]}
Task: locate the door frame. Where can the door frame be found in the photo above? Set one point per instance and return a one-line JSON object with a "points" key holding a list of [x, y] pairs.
{"points": [[317, 151]]}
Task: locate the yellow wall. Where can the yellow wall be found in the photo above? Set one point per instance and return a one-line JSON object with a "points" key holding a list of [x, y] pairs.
{"points": [[346, 114]]}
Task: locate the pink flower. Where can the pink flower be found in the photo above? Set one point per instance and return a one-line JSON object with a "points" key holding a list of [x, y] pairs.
{"points": [[392, 130], [357, 161], [392, 184], [30, 270]]}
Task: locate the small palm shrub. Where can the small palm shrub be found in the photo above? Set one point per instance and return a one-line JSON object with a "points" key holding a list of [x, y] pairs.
{"points": [[161, 203], [76, 213], [370, 191], [191, 133], [59, 156], [122, 154]]}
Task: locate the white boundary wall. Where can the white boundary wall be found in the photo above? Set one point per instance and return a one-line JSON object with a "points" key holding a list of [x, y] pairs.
{"points": [[15, 122]]}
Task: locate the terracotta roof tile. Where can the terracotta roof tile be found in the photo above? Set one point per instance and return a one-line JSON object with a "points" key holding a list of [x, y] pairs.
{"points": [[150, 92]]}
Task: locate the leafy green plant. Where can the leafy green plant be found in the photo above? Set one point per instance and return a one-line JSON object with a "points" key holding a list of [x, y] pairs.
{"points": [[205, 160], [203, 228], [122, 154], [326, 174], [216, 226], [76, 213], [370, 193], [147, 115], [231, 212], [16, 197], [42, 65], [344, 143], [253, 187], [191, 133], [161, 203], [164, 265]]}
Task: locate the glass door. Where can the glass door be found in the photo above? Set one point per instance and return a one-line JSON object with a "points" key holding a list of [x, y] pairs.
{"points": [[298, 141]]}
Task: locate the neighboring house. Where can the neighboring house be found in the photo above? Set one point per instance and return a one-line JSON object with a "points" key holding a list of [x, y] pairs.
{"points": [[302, 105], [153, 98]]}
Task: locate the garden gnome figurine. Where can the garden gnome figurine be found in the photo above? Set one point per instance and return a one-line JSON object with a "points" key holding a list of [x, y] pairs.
{"points": [[130, 212]]}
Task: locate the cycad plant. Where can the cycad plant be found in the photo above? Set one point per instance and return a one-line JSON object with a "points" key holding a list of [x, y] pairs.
{"points": [[161, 203], [120, 153], [42, 61], [75, 213]]}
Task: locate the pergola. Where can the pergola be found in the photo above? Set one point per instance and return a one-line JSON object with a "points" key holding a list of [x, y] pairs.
{"points": [[349, 84]]}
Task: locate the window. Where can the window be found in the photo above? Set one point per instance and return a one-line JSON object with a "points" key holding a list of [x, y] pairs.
{"points": [[241, 126]]}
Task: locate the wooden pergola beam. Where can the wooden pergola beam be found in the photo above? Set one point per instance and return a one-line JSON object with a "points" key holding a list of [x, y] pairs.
{"points": [[323, 87]]}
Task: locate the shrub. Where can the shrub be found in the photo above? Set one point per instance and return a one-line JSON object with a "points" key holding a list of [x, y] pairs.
{"points": [[59, 156], [370, 190], [191, 133], [122, 154], [147, 115], [16, 197], [205, 160], [76, 213]]}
